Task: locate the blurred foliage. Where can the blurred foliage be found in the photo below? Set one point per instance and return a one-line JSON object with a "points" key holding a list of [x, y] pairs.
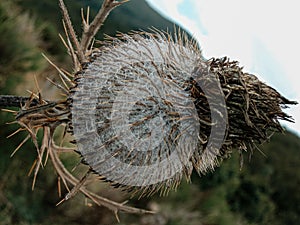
{"points": [[134, 15], [265, 191], [19, 44]]}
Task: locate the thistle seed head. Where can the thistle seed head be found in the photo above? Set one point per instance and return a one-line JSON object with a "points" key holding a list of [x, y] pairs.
{"points": [[148, 109]]}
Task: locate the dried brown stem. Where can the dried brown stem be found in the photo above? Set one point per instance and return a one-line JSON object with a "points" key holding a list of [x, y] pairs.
{"points": [[254, 109], [67, 176], [15, 101], [71, 32], [79, 54], [36, 113], [90, 30]]}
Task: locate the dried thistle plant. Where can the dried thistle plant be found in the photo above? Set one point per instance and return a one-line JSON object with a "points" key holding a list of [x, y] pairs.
{"points": [[145, 109], [38, 114]]}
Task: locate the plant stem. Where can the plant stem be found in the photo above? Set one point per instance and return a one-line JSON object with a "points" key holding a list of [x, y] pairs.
{"points": [[15, 101]]}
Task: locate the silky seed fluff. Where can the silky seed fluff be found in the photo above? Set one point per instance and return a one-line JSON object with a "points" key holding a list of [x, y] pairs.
{"points": [[134, 118]]}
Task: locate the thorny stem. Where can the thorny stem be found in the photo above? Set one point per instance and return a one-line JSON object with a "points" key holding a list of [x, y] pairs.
{"points": [[79, 55], [71, 31], [90, 30], [15, 101], [65, 174], [31, 105]]}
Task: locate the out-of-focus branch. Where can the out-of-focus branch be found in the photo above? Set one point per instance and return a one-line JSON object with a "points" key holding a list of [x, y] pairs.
{"points": [[15, 101]]}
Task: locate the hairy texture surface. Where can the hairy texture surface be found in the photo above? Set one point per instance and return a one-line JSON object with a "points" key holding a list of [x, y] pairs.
{"points": [[147, 109], [134, 121]]}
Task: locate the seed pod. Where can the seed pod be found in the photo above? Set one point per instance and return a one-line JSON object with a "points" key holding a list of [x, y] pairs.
{"points": [[147, 109]]}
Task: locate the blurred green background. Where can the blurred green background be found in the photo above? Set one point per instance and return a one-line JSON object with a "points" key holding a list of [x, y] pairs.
{"points": [[265, 191]]}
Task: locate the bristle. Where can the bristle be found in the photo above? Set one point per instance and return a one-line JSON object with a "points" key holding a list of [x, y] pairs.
{"points": [[144, 97], [20, 145]]}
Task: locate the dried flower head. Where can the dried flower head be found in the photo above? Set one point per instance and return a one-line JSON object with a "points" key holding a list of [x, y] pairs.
{"points": [[145, 109], [149, 108]]}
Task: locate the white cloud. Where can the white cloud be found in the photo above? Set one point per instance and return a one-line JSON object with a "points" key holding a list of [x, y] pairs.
{"points": [[233, 29], [170, 9]]}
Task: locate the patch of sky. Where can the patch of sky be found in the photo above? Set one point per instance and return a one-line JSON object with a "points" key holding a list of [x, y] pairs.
{"points": [[270, 69], [187, 9]]}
